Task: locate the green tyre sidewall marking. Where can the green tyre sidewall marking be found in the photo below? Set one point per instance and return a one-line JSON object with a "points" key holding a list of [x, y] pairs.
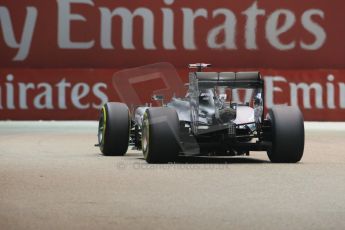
{"points": [[104, 126], [129, 125], [146, 124]]}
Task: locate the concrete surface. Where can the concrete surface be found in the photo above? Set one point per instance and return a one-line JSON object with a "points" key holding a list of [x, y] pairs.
{"points": [[51, 177]]}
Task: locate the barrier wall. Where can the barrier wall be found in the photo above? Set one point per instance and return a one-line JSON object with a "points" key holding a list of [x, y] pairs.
{"points": [[59, 58], [78, 93]]}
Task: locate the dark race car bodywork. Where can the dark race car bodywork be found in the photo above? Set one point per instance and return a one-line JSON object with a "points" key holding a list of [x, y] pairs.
{"points": [[210, 120]]}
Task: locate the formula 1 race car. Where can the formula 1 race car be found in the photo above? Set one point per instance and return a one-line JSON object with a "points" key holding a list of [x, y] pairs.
{"points": [[209, 120]]}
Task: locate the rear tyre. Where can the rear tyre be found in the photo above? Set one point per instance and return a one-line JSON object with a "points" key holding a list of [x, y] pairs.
{"points": [[287, 135], [160, 135], [113, 129]]}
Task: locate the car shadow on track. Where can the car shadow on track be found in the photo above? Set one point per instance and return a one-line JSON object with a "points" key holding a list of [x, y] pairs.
{"points": [[216, 160], [201, 159]]}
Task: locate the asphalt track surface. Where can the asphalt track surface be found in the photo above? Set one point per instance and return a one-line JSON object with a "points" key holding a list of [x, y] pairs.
{"points": [[51, 177]]}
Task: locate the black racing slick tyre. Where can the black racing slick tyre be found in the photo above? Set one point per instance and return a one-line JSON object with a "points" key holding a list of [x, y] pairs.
{"points": [[287, 133], [114, 129], [160, 135]]}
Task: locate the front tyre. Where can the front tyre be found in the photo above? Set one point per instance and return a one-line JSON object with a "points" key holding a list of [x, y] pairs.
{"points": [[160, 135], [114, 129], [287, 133]]}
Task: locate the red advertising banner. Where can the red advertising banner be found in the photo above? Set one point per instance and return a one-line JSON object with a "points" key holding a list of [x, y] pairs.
{"points": [[77, 94], [290, 34]]}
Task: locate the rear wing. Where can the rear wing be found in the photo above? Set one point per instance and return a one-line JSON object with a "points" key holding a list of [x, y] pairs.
{"points": [[229, 79]]}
